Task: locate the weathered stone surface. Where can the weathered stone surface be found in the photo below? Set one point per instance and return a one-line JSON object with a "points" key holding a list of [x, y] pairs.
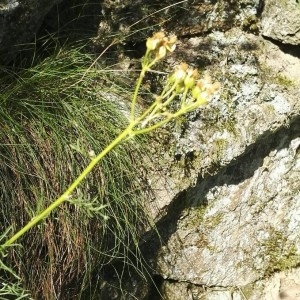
{"points": [[240, 221], [286, 64], [226, 186], [244, 226], [184, 18], [226, 195], [19, 21], [255, 101], [281, 21], [188, 291], [282, 285]]}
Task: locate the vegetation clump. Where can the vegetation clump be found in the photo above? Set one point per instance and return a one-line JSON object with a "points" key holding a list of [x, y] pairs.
{"points": [[53, 123], [52, 119]]}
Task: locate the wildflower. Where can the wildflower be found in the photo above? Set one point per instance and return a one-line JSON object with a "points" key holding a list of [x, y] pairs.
{"points": [[161, 53], [213, 88], [204, 89], [170, 43], [189, 80], [161, 44], [153, 42], [196, 92], [179, 73]]}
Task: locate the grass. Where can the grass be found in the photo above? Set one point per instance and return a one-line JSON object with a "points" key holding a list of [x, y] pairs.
{"points": [[51, 118]]}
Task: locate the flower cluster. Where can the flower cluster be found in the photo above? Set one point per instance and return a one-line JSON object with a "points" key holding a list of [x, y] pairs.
{"points": [[160, 44], [205, 89], [183, 84], [185, 79]]}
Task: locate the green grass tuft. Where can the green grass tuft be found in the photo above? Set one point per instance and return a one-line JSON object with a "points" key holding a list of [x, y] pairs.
{"points": [[51, 117]]}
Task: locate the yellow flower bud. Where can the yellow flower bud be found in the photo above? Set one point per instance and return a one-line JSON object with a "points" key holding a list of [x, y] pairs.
{"points": [[184, 66], [195, 73], [172, 39], [196, 92], [161, 53], [189, 82], [159, 35], [152, 43], [171, 43], [172, 48], [203, 99], [180, 72], [179, 75], [179, 88]]}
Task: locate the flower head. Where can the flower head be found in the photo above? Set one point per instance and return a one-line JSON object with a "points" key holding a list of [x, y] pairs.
{"points": [[204, 89], [180, 73], [161, 44]]}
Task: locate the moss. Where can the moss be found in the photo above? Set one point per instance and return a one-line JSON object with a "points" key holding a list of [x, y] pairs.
{"points": [[195, 216], [269, 76], [269, 109], [282, 255], [213, 221], [284, 81], [218, 148], [250, 24]]}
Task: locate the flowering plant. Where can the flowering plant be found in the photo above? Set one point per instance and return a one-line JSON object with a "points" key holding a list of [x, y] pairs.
{"points": [[182, 84]]}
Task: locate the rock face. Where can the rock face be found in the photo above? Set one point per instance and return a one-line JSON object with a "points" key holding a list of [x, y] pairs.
{"points": [[228, 209], [183, 18], [19, 21], [239, 221], [243, 223], [281, 21]]}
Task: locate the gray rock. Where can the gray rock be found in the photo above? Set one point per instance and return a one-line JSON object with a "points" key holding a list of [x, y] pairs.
{"points": [[238, 219], [19, 21], [248, 228], [281, 21], [184, 18], [225, 189]]}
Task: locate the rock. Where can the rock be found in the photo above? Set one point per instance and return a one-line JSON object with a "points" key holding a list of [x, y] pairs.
{"points": [[285, 64], [280, 286], [245, 226], [235, 218], [183, 18], [281, 21], [226, 197], [19, 21], [188, 291], [257, 101]]}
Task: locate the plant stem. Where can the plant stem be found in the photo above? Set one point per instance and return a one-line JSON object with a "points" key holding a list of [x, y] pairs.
{"points": [[135, 94]]}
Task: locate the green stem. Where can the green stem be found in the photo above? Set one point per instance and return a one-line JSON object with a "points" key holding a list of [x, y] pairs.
{"points": [[183, 97], [145, 67], [156, 125], [127, 132], [168, 101], [165, 94], [135, 94], [168, 118]]}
